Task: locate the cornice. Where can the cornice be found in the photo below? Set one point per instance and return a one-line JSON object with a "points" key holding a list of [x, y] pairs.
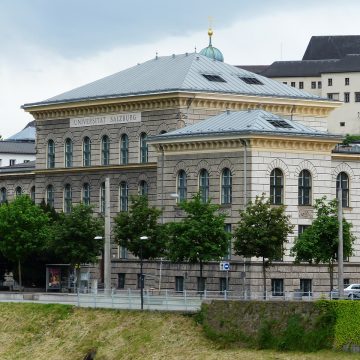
{"points": [[18, 174], [344, 156], [269, 143], [87, 169], [216, 101]]}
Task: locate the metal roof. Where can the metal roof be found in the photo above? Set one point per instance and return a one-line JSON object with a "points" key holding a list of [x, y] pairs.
{"points": [[251, 121], [17, 147], [332, 47], [22, 167], [176, 73], [26, 134]]}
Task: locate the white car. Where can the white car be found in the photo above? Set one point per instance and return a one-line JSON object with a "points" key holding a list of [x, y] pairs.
{"points": [[352, 291]]}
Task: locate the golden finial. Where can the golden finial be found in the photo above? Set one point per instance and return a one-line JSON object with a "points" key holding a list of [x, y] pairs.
{"points": [[210, 31]]}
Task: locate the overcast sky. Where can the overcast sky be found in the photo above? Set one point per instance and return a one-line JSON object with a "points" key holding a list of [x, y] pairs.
{"points": [[51, 46]]}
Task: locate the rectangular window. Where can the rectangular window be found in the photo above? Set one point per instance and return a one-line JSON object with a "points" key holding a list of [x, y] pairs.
{"points": [[313, 84], [228, 255], [301, 85], [201, 284], [357, 97], [179, 283], [333, 96], [122, 252], [330, 82], [285, 82], [277, 287], [346, 282], [342, 123], [251, 80], [347, 81], [12, 162], [346, 97], [223, 285], [306, 287], [302, 228], [121, 281], [319, 85], [293, 84]]}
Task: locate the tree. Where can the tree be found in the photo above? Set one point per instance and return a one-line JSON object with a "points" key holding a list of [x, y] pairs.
{"points": [[200, 236], [140, 220], [319, 242], [262, 231], [75, 235], [24, 230]]}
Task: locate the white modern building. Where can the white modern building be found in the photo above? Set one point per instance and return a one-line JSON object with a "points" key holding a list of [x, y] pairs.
{"points": [[330, 68]]}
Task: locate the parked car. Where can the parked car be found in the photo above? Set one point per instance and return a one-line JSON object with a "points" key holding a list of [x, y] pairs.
{"points": [[352, 291]]}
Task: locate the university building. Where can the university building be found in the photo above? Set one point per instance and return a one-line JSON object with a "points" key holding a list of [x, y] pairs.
{"points": [[186, 123]]}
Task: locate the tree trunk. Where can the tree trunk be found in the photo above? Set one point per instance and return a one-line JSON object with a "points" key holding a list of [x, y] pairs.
{"points": [[331, 272], [264, 277], [20, 277]]}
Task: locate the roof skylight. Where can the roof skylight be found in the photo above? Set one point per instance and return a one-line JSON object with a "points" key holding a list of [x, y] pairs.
{"points": [[280, 124], [215, 78], [251, 80]]}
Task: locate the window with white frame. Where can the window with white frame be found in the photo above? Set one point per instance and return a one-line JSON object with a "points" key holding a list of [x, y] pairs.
{"points": [[68, 153], [204, 185], [226, 186], [304, 188], [182, 185], [51, 154], [342, 182], [86, 151], [276, 187]]}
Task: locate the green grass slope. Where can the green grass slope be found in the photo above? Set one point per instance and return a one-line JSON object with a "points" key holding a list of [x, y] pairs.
{"points": [[51, 332]]}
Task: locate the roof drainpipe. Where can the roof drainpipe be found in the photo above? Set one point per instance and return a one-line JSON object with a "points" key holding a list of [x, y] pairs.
{"points": [[245, 171], [162, 183]]}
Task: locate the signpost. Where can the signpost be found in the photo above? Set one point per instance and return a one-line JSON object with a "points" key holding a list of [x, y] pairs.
{"points": [[225, 266]]}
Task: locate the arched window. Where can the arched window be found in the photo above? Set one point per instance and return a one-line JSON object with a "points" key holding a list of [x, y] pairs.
{"points": [[3, 195], [32, 193], [51, 154], [276, 187], [124, 195], [124, 149], [50, 195], [143, 188], [105, 150], [102, 198], [204, 185], [86, 151], [86, 194], [18, 191], [68, 153], [342, 182], [143, 148], [182, 185], [304, 188], [226, 186], [67, 198]]}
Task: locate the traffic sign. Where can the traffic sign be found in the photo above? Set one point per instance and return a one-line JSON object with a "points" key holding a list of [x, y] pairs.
{"points": [[224, 266]]}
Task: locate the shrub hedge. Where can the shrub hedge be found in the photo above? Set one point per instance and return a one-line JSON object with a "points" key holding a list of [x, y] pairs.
{"points": [[283, 325]]}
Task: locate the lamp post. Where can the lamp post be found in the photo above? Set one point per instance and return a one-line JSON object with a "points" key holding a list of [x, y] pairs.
{"points": [[142, 238]]}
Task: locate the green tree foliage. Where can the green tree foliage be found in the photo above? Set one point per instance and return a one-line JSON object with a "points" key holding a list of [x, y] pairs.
{"points": [[262, 231], [24, 230], [200, 236], [141, 220], [319, 242], [74, 235]]}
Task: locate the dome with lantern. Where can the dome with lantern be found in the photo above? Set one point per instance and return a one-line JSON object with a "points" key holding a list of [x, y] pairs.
{"points": [[211, 51]]}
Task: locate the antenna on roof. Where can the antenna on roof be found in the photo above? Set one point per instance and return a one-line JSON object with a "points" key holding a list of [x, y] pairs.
{"points": [[156, 56]]}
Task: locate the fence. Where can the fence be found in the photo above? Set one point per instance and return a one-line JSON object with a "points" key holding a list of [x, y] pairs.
{"points": [[167, 300]]}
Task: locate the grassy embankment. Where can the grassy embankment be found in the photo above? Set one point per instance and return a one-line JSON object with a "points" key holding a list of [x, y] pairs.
{"points": [[39, 332]]}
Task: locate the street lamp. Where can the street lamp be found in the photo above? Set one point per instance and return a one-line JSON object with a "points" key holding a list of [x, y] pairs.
{"points": [[141, 271]]}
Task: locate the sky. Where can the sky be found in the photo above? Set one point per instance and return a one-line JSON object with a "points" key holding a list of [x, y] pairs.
{"points": [[48, 47]]}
